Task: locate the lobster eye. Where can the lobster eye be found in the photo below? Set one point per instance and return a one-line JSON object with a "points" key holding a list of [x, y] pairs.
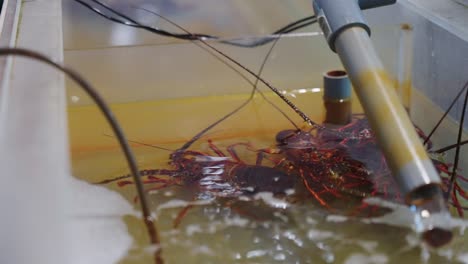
{"points": [[284, 135]]}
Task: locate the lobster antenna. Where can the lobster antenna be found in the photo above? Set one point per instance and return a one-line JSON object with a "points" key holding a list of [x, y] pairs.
{"points": [[194, 37], [255, 89], [275, 90], [142, 143], [200, 38], [296, 25], [459, 139], [446, 113], [267, 56], [445, 149]]}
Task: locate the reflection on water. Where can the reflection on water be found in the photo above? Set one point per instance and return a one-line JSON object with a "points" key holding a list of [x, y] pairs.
{"points": [[218, 219], [215, 225], [299, 233], [266, 229], [83, 29]]}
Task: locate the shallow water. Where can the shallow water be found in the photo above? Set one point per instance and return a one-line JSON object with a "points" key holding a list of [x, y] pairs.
{"points": [[250, 229]]}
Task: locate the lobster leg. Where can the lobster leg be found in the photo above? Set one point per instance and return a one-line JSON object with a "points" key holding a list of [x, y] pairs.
{"points": [[181, 215], [215, 148], [260, 157], [261, 154], [311, 191], [233, 152]]}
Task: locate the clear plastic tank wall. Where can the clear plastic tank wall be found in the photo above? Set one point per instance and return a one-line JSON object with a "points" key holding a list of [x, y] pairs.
{"points": [[33, 139], [440, 46], [440, 62], [131, 65], [89, 36], [127, 57], [161, 68]]}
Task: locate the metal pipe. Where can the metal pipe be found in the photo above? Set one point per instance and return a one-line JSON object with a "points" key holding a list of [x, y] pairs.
{"points": [[395, 132], [348, 35], [337, 98]]}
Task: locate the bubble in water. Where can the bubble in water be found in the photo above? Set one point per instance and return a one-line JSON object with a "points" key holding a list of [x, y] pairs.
{"points": [[256, 253], [328, 257], [315, 235], [365, 259], [203, 250], [269, 199], [280, 256], [192, 229], [75, 99], [336, 218]]}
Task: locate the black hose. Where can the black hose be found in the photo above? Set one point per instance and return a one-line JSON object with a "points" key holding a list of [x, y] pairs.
{"points": [[106, 111]]}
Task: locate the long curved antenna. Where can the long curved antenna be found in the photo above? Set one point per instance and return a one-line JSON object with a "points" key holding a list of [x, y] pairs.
{"points": [[201, 133], [142, 143], [267, 56], [301, 23], [275, 90], [444, 149], [459, 138], [132, 23], [136, 24], [446, 113], [255, 89], [106, 111]]}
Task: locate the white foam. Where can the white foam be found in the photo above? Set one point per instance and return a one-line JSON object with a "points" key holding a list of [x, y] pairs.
{"points": [[311, 221], [367, 259], [399, 216], [369, 246], [318, 235], [402, 216], [192, 229], [336, 218], [203, 250], [168, 193], [279, 257], [175, 203], [281, 216], [293, 237], [236, 221], [95, 200], [463, 258], [272, 201], [104, 240], [256, 253], [98, 233]]}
